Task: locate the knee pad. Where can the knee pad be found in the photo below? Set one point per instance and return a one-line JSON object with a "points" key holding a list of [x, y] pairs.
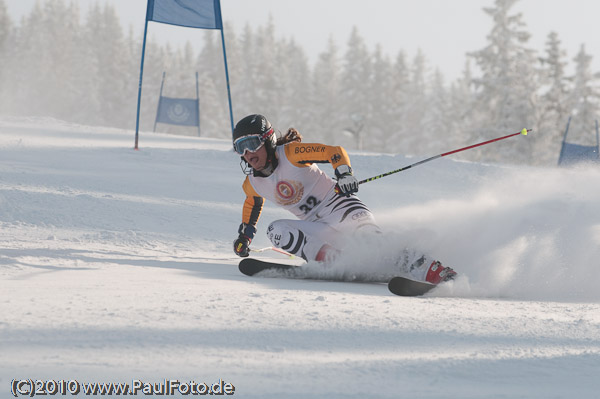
{"points": [[293, 240], [278, 233]]}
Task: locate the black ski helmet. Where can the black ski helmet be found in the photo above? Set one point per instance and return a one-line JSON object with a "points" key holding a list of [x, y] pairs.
{"points": [[257, 124]]}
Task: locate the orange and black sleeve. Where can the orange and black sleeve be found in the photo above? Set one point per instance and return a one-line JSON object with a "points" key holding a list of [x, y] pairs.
{"points": [[304, 154], [252, 205]]}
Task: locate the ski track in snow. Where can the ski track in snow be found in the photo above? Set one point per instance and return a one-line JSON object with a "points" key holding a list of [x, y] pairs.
{"points": [[117, 265]]}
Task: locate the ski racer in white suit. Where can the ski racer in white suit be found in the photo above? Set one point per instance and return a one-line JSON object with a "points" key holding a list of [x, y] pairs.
{"points": [[284, 171]]}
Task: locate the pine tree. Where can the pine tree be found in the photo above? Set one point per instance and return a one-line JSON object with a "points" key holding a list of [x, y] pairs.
{"points": [[378, 96], [355, 84], [325, 121], [399, 103], [507, 87], [267, 93], [295, 90], [24, 65], [155, 63], [214, 104], [5, 27], [243, 77], [437, 125], [68, 75], [585, 100], [416, 107], [108, 56], [5, 44], [462, 100], [554, 102]]}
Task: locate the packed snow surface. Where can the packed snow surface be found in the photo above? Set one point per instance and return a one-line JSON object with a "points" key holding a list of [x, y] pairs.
{"points": [[116, 265]]}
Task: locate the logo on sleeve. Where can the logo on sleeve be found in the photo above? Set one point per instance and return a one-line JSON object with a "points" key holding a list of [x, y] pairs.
{"points": [[309, 149]]}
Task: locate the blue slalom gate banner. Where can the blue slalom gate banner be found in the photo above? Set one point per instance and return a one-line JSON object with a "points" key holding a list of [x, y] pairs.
{"points": [[575, 153], [202, 14], [178, 111]]}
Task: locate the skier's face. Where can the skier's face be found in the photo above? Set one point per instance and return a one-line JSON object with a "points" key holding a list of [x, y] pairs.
{"points": [[258, 159]]}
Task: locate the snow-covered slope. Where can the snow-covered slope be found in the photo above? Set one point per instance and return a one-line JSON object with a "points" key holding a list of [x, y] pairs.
{"points": [[116, 265]]}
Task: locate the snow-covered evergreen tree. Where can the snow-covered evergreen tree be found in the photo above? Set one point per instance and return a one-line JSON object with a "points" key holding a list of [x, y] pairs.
{"points": [[5, 27], [5, 39], [325, 116], [379, 97], [24, 65], [108, 55], [507, 86], [554, 102], [355, 85], [214, 102], [42, 65], [399, 104], [462, 100], [416, 107], [267, 87], [437, 122], [68, 77], [244, 64], [183, 71], [585, 100], [295, 86]]}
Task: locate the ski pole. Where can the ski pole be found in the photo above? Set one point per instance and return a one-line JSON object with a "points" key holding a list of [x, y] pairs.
{"points": [[523, 132], [281, 251]]}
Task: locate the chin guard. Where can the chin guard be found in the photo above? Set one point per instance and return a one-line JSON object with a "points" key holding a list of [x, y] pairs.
{"points": [[246, 168]]}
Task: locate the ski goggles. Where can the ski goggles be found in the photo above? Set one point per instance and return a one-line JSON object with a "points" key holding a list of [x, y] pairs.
{"points": [[250, 143]]}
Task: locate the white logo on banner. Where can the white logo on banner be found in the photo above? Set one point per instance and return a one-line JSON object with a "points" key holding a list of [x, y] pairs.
{"points": [[178, 113]]}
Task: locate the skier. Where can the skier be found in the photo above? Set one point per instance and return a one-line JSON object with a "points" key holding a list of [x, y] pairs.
{"points": [[284, 171]]}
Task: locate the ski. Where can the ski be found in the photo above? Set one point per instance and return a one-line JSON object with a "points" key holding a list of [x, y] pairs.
{"points": [[251, 266], [397, 285], [406, 287]]}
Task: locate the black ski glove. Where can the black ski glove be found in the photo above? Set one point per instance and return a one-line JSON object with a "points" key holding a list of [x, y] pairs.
{"points": [[241, 246], [346, 182]]}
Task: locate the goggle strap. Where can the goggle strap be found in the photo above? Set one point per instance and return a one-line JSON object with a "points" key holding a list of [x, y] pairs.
{"points": [[266, 134]]}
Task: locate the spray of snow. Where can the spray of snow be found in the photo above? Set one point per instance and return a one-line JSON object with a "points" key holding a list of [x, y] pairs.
{"points": [[524, 233]]}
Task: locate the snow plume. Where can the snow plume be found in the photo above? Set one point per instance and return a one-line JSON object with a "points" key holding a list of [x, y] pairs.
{"points": [[524, 233], [371, 258]]}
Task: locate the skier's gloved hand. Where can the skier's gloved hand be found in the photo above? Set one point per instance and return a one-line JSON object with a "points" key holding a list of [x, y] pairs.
{"points": [[241, 246], [347, 184]]}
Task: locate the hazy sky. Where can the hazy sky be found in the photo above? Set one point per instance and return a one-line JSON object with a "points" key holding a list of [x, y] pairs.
{"points": [[444, 29]]}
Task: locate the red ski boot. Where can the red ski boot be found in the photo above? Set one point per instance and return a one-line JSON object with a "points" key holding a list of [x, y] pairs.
{"points": [[438, 273], [327, 254]]}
